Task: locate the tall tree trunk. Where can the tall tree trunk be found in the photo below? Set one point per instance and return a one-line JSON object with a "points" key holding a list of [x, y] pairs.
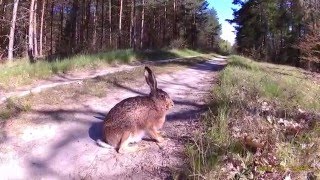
{"points": [[35, 30], [154, 29], [164, 24], [51, 28], [70, 40], [73, 25], [41, 27], [133, 21], [88, 16], [30, 38], [81, 27], [102, 25], [2, 9], [142, 25], [185, 23], [194, 29], [61, 22], [12, 30], [175, 19], [110, 23], [94, 38], [120, 24]]}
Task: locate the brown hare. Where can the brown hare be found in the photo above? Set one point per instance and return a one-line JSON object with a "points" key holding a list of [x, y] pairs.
{"points": [[132, 118]]}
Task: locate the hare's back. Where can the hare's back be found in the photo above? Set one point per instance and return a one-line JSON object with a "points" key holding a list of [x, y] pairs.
{"points": [[130, 110]]}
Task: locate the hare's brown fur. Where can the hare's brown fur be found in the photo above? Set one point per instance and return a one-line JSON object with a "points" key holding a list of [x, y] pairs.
{"points": [[133, 117]]}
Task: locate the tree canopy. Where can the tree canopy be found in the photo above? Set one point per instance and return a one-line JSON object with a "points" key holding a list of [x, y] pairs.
{"points": [[281, 31], [40, 28]]}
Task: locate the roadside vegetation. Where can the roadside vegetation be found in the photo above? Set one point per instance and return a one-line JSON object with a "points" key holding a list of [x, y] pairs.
{"points": [[263, 122], [21, 72]]}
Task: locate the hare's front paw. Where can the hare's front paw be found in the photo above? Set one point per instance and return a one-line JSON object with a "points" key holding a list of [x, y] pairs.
{"points": [[163, 143], [160, 139], [161, 133]]}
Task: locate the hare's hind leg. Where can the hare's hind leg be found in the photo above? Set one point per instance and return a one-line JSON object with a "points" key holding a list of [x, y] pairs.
{"points": [[124, 144]]}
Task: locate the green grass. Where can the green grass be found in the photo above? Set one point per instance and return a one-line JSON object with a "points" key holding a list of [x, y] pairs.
{"points": [[21, 72], [236, 120], [288, 91], [13, 107], [185, 52]]}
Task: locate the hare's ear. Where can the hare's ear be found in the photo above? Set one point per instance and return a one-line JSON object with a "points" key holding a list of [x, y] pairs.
{"points": [[151, 79]]}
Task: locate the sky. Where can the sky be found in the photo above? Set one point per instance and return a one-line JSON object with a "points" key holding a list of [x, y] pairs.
{"points": [[224, 11]]}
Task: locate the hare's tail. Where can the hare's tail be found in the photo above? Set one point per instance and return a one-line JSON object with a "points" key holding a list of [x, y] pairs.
{"points": [[103, 144]]}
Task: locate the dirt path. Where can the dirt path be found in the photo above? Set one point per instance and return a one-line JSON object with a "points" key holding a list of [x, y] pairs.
{"points": [[73, 77], [59, 142], [59, 80]]}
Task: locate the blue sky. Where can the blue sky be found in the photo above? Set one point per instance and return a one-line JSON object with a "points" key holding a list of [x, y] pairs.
{"points": [[223, 8]]}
